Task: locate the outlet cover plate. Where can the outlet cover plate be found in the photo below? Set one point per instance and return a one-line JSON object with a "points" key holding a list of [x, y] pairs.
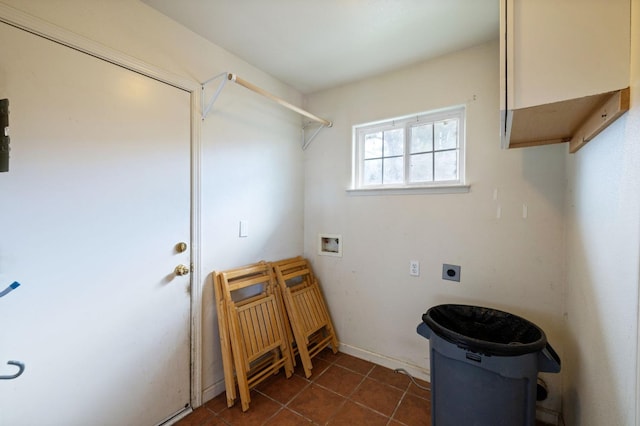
{"points": [[451, 272], [414, 268]]}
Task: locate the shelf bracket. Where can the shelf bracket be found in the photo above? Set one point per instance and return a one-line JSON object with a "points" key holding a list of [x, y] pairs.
{"points": [[206, 108], [312, 133], [233, 77], [616, 105]]}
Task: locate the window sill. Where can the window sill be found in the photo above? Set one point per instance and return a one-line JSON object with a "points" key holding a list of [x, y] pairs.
{"points": [[413, 190]]}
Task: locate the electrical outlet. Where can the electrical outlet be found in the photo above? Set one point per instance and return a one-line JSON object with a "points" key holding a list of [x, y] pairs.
{"points": [[451, 272], [414, 268]]}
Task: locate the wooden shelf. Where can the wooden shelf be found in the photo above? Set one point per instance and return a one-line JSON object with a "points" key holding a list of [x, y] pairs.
{"points": [[576, 121]]}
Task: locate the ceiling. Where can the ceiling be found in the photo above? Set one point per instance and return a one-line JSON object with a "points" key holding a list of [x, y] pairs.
{"points": [[317, 44]]}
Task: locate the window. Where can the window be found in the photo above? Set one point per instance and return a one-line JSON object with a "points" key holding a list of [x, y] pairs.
{"points": [[421, 150]]}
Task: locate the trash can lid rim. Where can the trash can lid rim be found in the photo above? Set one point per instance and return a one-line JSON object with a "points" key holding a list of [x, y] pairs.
{"points": [[491, 327]]}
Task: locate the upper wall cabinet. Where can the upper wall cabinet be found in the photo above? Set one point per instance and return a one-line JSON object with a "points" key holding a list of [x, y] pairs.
{"points": [[564, 69]]}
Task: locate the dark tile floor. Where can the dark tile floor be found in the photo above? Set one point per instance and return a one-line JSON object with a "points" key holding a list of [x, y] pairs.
{"points": [[343, 390]]}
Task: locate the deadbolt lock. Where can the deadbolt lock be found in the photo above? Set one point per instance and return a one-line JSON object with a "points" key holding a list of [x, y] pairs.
{"points": [[181, 270], [181, 247]]}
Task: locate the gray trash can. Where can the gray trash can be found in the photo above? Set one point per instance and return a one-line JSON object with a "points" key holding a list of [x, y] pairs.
{"points": [[484, 366]]}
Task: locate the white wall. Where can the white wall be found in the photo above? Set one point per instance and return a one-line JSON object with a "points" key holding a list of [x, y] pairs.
{"points": [[251, 156], [511, 263], [250, 151], [603, 262], [253, 171]]}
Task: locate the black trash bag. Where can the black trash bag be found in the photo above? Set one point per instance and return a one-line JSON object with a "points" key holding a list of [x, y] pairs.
{"points": [[484, 330]]}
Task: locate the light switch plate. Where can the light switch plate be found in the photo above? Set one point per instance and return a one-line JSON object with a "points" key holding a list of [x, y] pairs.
{"points": [[244, 229]]}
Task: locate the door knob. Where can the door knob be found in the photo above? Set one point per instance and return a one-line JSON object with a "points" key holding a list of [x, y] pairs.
{"points": [[181, 270]]}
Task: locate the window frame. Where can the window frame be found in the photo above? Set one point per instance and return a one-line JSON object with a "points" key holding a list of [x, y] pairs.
{"points": [[408, 122]]}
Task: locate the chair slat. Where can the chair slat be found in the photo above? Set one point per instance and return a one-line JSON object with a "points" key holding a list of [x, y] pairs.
{"points": [[255, 345], [306, 309]]}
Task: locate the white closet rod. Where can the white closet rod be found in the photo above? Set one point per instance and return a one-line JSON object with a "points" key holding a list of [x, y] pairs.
{"points": [[254, 88]]}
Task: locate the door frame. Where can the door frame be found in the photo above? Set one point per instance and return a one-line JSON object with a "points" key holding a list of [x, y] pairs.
{"points": [[41, 28]]}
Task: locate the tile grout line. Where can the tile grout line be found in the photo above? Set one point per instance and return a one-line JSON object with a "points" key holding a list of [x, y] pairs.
{"points": [[364, 378], [344, 398], [347, 398], [395, 410], [285, 406], [310, 382], [331, 362]]}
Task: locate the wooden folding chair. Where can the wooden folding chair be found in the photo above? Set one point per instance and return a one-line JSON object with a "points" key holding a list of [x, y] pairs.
{"points": [[225, 340], [252, 332], [306, 309]]}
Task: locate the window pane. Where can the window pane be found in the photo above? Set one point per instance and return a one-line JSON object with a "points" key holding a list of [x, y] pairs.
{"points": [[421, 168], [393, 170], [446, 164], [393, 143], [373, 145], [422, 138], [372, 173], [420, 150], [446, 133]]}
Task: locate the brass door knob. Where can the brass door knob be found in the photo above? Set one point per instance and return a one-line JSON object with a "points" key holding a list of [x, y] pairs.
{"points": [[181, 270]]}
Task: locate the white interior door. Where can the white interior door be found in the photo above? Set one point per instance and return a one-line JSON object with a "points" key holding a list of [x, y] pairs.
{"points": [[96, 199]]}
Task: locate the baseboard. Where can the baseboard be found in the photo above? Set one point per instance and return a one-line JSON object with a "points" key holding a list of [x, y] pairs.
{"points": [[545, 415], [416, 371], [212, 391], [176, 417], [385, 361]]}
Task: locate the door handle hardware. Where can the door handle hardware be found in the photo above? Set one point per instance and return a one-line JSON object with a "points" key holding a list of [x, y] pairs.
{"points": [[13, 376], [181, 270]]}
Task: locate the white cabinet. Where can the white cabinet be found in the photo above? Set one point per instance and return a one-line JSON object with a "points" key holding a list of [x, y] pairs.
{"points": [[564, 69]]}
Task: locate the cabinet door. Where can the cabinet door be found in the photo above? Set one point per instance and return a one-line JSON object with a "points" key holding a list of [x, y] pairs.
{"points": [[561, 61], [506, 71], [564, 49]]}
